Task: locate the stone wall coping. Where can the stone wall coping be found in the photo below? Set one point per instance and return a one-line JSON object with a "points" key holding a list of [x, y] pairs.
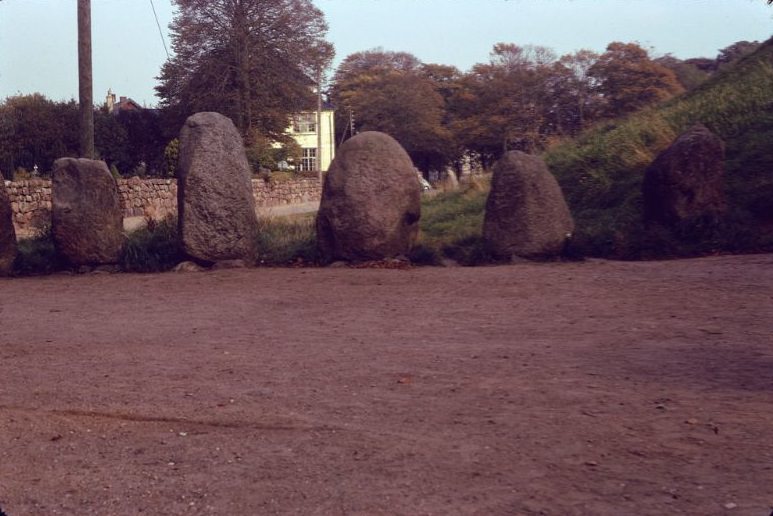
{"points": [[150, 197]]}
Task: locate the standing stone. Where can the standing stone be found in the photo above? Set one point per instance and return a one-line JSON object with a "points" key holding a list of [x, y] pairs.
{"points": [[86, 216], [217, 217], [526, 214], [371, 201], [686, 180], [7, 233]]}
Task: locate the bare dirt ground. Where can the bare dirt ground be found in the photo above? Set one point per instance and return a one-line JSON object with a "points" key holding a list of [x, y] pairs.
{"points": [[589, 388]]}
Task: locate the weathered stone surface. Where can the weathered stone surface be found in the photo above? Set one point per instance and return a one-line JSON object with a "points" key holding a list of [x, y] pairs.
{"points": [[526, 214], [686, 180], [371, 201], [188, 267], [7, 233], [86, 219], [216, 207]]}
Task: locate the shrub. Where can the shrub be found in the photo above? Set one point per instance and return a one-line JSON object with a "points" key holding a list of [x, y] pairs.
{"points": [[262, 154], [470, 251], [422, 254], [38, 256], [155, 248], [171, 158]]}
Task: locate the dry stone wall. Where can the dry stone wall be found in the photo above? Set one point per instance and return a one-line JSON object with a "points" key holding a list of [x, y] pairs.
{"points": [[157, 198], [30, 204], [269, 194]]}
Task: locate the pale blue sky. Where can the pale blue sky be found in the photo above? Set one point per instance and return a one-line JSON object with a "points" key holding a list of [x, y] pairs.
{"points": [[38, 50]]}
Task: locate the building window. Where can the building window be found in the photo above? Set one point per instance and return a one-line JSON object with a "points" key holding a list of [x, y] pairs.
{"points": [[305, 123], [309, 160]]}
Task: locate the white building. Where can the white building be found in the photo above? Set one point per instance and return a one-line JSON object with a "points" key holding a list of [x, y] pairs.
{"points": [[305, 132]]}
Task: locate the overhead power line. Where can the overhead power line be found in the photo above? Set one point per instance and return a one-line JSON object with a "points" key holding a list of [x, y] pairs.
{"points": [[160, 32]]}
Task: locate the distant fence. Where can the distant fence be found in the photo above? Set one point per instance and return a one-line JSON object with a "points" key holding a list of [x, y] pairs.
{"points": [[156, 198]]}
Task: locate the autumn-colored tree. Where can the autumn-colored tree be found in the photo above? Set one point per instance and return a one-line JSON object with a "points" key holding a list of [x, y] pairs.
{"points": [[688, 72], [255, 61], [629, 80], [572, 90], [388, 92], [444, 78], [504, 104], [375, 59]]}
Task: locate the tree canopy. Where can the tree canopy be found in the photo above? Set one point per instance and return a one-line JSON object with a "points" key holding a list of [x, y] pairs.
{"points": [[523, 98], [35, 131], [629, 80], [394, 93], [502, 105], [255, 61]]}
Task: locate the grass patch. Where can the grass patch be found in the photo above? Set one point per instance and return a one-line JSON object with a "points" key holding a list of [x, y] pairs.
{"points": [[451, 226], [287, 241]]}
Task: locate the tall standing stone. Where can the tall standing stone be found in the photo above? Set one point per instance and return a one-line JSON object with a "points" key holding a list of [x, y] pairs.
{"points": [[526, 214], [216, 206], [686, 180], [371, 201], [7, 232], [86, 215]]}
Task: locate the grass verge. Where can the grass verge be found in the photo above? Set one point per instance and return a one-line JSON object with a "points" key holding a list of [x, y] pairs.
{"points": [[451, 227], [286, 241]]}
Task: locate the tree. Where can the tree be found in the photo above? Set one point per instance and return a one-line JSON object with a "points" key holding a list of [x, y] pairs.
{"points": [[689, 73], [575, 100], [255, 61], [111, 140], [629, 80], [132, 141], [505, 104], [391, 92], [35, 131], [736, 51]]}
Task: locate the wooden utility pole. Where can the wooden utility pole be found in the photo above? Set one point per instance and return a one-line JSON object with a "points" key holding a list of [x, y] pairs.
{"points": [[319, 124], [85, 80]]}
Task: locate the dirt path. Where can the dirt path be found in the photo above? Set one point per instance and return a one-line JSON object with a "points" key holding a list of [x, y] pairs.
{"points": [[593, 388]]}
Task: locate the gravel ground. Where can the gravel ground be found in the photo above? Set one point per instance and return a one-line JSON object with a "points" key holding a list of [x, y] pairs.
{"points": [[588, 388]]}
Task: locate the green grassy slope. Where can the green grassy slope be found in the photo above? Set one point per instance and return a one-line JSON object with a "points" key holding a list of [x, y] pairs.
{"points": [[601, 171]]}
